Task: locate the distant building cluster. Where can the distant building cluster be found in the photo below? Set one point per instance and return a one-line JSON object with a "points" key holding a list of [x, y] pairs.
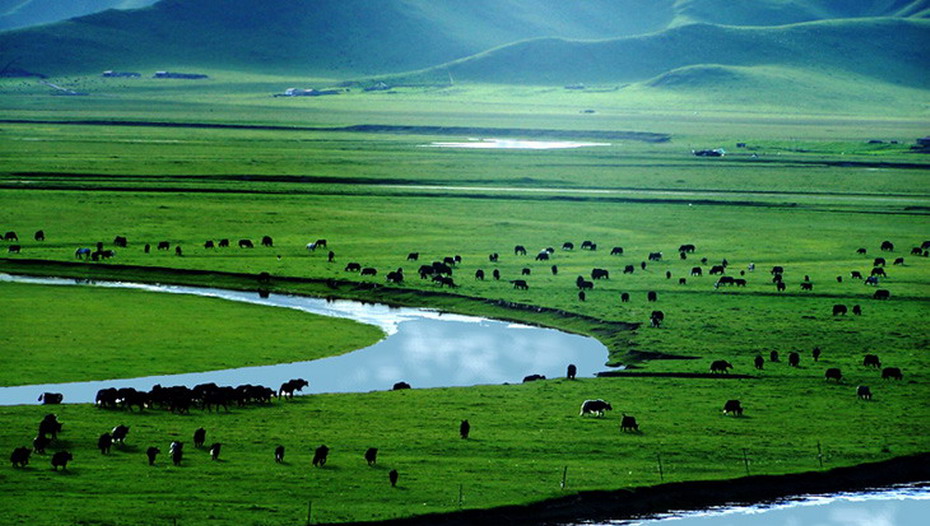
{"points": [[158, 75], [310, 92]]}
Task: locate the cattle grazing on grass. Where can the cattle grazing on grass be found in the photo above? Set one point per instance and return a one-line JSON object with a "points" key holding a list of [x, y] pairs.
{"points": [[893, 373], [655, 256], [448, 260], [571, 372], [871, 280], [151, 453], [287, 388], [584, 284], [51, 398], [444, 281], [104, 443], [682, 255], [147, 248], [493, 257], [628, 424], [687, 248], [39, 443], [119, 434], [200, 436], [878, 271], [267, 241], [794, 359], [279, 454], [652, 296], [224, 243], [176, 450], [855, 274], [479, 274], [399, 386], [246, 243], [568, 245], [625, 297], [777, 269], [882, 294], [178, 251], [320, 243], [215, 451], [616, 251], [542, 256], [163, 245], [629, 269], [519, 250], [887, 246], [878, 262], [857, 310], [871, 360], [20, 457], [413, 256], [595, 407], [863, 392], [392, 477], [369, 271], [773, 356], [720, 366], [759, 362], [82, 253], [554, 269], [733, 407], [833, 373], [40, 235], [353, 267], [642, 265], [839, 309], [780, 286], [586, 245], [319, 456], [697, 271], [61, 459], [582, 296], [371, 456], [898, 261], [839, 279], [861, 250], [739, 282], [716, 269], [50, 426], [656, 318], [14, 249], [331, 256], [533, 378], [10, 236], [525, 271], [600, 273], [682, 281], [208, 244], [668, 274], [520, 284], [396, 276], [807, 286], [464, 429], [120, 241], [496, 274], [916, 251], [816, 353]]}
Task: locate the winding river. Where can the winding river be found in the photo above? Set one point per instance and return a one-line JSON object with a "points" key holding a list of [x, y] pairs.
{"points": [[422, 347]]}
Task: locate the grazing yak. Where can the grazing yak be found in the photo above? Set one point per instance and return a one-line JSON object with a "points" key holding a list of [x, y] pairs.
{"points": [[413, 256], [833, 373], [716, 269], [882, 294], [861, 250], [807, 286], [279, 454], [584, 284], [371, 456], [20, 457], [780, 286], [816, 353], [887, 246], [10, 236], [554, 269], [14, 249], [319, 456], [682, 281], [39, 443], [628, 423], [720, 366], [479, 274], [287, 388], [163, 245], [119, 434], [496, 274], [587, 244], [267, 241], [519, 250], [61, 458], [51, 398], [120, 241], [151, 453], [369, 271], [759, 362], [857, 310], [533, 378], [595, 407], [520, 284], [697, 271], [794, 359], [616, 251], [200, 436], [525, 271], [773, 356], [176, 450], [571, 372], [224, 243], [863, 392], [652, 296], [40, 235], [464, 429], [733, 407], [493, 257], [655, 256], [568, 245], [839, 309], [444, 281], [393, 476], [50, 426], [855, 274], [104, 443], [871, 360], [687, 248], [625, 297], [600, 273], [542, 256], [629, 269], [208, 244], [892, 372], [871, 280], [898, 261], [400, 386], [246, 243], [215, 451]]}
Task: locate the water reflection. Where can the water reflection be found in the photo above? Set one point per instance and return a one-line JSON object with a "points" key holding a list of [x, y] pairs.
{"points": [[423, 347]]}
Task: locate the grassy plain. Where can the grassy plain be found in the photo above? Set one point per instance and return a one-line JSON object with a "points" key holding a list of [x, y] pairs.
{"points": [[814, 192]]}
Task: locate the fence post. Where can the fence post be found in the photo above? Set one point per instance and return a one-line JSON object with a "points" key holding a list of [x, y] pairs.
{"points": [[746, 461], [564, 477], [661, 472], [819, 454], [309, 512], [460, 495]]}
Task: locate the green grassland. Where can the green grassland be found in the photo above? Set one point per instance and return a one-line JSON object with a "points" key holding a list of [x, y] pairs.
{"points": [[806, 193]]}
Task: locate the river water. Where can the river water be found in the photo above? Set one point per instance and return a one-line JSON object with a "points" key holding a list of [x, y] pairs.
{"points": [[422, 347]]}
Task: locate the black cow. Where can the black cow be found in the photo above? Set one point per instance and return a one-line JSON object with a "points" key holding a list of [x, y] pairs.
{"points": [[642, 265], [533, 378], [119, 433], [586, 245], [861, 250], [50, 426], [442, 268], [773, 356], [224, 243], [287, 388], [393, 476], [104, 443], [147, 248], [120, 241], [178, 251], [629, 269], [624, 297], [599, 273], [720, 366], [369, 271], [898, 261], [464, 429], [595, 407], [652, 296], [916, 251], [496, 274], [857, 310], [542, 256], [61, 458], [855, 274], [39, 443], [878, 262], [448, 260], [759, 362], [163, 245], [371, 456], [697, 271], [20, 457], [40, 235], [616, 251], [780, 286], [520, 284], [525, 271], [807, 286], [871, 280], [716, 269], [208, 244], [396, 276], [321, 243], [14, 249], [554, 269], [833, 373], [51, 398], [733, 407], [176, 450], [816, 353], [444, 281], [682, 281], [687, 248], [215, 450], [871, 360], [582, 296], [151, 453], [584, 284], [413, 256], [353, 267], [878, 271], [794, 359], [571, 372], [519, 250], [682, 255], [839, 309], [479, 274], [882, 294], [568, 245], [200, 436], [739, 282], [400, 386], [246, 243], [628, 423], [655, 256], [279, 454], [493, 257], [10, 236], [863, 392], [267, 241], [892, 372], [887, 246], [319, 456], [778, 270]]}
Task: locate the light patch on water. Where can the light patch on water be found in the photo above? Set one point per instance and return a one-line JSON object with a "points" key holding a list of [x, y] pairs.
{"points": [[513, 144]]}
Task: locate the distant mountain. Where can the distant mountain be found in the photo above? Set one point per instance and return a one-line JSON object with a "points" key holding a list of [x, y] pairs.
{"points": [[345, 38], [23, 13]]}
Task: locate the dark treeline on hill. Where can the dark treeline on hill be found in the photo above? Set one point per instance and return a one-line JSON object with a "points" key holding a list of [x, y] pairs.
{"points": [[351, 38]]}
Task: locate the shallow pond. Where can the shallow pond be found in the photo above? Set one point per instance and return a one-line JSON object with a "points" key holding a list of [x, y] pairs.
{"points": [[424, 348], [514, 144], [903, 505]]}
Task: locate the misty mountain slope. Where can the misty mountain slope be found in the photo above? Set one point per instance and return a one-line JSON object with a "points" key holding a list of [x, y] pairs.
{"points": [[783, 12], [887, 50], [24, 13]]}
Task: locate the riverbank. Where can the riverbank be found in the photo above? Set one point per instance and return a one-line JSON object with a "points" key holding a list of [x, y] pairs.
{"points": [[643, 501]]}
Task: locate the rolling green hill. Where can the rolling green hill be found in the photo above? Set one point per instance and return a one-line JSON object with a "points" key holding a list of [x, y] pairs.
{"points": [[24, 13], [782, 12]]}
